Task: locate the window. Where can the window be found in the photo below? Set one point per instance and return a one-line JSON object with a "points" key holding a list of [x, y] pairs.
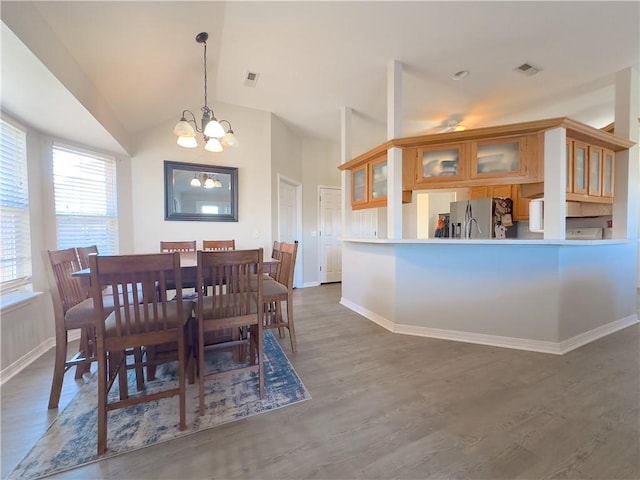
{"points": [[86, 200], [15, 237]]}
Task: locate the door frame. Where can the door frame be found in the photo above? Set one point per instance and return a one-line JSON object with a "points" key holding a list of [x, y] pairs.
{"points": [[299, 270], [318, 238]]}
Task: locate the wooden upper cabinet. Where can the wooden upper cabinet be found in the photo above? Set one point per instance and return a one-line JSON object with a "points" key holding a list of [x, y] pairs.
{"points": [[569, 166], [378, 186], [580, 167], [440, 164], [359, 194], [595, 171], [608, 162], [499, 158]]}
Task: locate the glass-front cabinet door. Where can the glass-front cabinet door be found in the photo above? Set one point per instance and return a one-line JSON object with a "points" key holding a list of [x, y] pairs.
{"points": [[608, 160], [595, 165], [359, 185], [440, 164], [379, 181], [569, 165], [497, 158], [579, 167]]}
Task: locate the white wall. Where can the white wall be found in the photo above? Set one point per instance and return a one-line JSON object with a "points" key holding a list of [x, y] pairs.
{"points": [[253, 160], [320, 160]]}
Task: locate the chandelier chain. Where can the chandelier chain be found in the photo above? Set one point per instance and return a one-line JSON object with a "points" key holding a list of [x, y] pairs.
{"points": [[206, 108]]}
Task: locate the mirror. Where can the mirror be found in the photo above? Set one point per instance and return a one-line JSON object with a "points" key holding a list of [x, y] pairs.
{"points": [[197, 192]]}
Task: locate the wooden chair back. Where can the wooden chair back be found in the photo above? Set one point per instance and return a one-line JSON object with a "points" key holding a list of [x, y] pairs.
{"points": [[288, 253], [218, 245], [187, 246], [233, 281], [66, 290], [83, 255], [143, 318]]}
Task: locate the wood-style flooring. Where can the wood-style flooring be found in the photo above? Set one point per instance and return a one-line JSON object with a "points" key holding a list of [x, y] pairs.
{"points": [[392, 406]]}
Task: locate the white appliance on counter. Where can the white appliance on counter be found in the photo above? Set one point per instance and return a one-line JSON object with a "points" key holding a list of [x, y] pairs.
{"points": [[593, 233]]}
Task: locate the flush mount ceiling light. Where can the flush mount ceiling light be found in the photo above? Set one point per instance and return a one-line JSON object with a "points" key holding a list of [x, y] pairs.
{"points": [[460, 75], [215, 136]]}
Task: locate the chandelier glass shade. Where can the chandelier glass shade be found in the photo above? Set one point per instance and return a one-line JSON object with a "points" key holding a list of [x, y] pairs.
{"points": [[214, 134], [204, 180]]}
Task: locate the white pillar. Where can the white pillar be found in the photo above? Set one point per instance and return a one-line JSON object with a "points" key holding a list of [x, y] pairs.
{"points": [[627, 177], [394, 155], [555, 183], [345, 156]]}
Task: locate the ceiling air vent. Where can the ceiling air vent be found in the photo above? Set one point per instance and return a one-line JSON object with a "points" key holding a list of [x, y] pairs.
{"points": [[527, 69], [251, 78]]}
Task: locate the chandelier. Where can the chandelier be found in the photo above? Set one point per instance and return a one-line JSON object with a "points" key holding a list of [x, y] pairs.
{"points": [[206, 182], [215, 135]]}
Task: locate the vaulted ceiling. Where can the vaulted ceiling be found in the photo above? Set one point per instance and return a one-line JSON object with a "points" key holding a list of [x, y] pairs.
{"points": [[140, 65]]}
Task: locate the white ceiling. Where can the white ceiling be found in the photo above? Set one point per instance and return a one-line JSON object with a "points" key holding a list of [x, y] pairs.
{"points": [[141, 60]]}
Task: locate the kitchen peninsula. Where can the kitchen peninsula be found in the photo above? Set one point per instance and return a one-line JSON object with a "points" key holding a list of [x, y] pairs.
{"points": [[549, 295]]}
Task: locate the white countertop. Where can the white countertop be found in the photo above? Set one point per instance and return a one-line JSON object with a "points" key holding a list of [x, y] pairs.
{"points": [[492, 242]]}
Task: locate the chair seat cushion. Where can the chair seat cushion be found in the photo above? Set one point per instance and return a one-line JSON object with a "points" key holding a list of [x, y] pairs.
{"points": [[274, 288], [233, 306], [173, 321]]}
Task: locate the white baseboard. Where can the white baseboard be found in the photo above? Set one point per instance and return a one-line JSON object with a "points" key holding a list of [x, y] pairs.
{"points": [[556, 348], [27, 359], [310, 284]]}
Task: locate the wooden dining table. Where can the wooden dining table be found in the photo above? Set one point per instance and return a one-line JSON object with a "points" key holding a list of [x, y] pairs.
{"points": [[188, 269]]}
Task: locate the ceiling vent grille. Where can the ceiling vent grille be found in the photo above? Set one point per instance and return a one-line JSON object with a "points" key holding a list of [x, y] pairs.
{"points": [[250, 79], [527, 69]]}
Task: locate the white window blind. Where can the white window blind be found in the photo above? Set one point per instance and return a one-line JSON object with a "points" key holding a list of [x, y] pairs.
{"points": [[86, 200], [14, 202]]}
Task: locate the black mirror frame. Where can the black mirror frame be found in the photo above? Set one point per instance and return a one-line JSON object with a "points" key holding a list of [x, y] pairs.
{"points": [[169, 211]]}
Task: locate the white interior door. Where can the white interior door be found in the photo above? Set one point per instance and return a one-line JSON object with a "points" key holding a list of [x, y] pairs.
{"points": [[329, 233], [290, 219]]}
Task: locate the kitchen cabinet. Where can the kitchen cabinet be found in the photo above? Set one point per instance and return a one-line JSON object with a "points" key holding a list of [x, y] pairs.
{"points": [[359, 194], [580, 168], [498, 158], [369, 183], [440, 164], [595, 171], [608, 163], [569, 166]]}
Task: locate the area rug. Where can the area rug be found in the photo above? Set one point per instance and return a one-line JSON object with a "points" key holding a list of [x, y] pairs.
{"points": [[71, 440]]}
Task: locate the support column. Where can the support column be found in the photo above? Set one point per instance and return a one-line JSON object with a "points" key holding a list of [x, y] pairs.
{"points": [[626, 174], [394, 155], [555, 184], [345, 156]]}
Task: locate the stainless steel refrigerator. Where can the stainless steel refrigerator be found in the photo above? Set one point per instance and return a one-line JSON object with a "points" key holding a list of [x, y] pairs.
{"points": [[482, 218]]}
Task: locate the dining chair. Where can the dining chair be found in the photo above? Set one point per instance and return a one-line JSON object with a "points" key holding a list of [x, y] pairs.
{"points": [[281, 290], [144, 320], [275, 255], [72, 310], [83, 255], [218, 245], [233, 304]]}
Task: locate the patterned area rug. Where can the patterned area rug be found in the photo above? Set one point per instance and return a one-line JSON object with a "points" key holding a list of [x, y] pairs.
{"points": [[71, 440]]}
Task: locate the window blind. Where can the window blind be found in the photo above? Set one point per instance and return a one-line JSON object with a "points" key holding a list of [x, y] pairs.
{"points": [[85, 199], [15, 236]]}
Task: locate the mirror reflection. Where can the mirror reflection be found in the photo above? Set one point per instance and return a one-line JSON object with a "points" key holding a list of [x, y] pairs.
{"points": [[200, 192]]}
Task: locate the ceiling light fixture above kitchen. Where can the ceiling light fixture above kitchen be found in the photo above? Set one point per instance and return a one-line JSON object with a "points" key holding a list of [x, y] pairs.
{"points": [[215, 136], [460, 75]]}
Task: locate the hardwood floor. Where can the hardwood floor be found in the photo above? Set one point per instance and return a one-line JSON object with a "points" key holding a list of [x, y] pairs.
{"points": [[393, 406]]}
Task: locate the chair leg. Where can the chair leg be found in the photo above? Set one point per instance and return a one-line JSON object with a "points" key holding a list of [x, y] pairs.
{"points": [[292, 331], [260, 360], [85, 351], [201, 372], [181, 384], [137, 355], [58, 370], [102, 401]]}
